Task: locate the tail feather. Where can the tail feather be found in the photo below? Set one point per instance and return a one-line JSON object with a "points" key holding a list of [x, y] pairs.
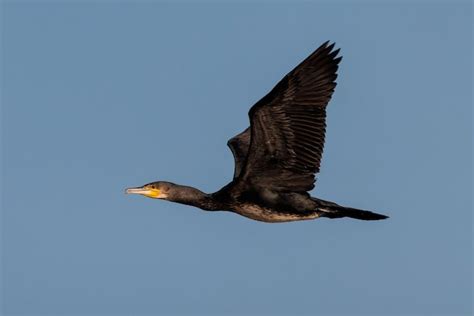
{"points": [[333, 210]]}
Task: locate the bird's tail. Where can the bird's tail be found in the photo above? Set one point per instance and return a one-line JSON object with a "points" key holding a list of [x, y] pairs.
{"points": [[333, 210]]}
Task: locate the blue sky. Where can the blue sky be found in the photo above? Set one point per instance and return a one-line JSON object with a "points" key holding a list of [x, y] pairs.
{"points": [[98, 96]]}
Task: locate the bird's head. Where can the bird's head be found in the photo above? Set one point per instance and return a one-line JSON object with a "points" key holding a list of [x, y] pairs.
{"points": [[154, 190]]}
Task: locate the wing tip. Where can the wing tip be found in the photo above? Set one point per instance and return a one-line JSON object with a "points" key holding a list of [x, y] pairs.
{"points": [[326, 50]]}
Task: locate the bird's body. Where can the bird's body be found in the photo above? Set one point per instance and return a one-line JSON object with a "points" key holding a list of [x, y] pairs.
{"points": [[266, 205], [277, 157], [272, 215]]}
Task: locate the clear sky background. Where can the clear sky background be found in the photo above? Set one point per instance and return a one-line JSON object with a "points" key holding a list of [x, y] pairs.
{"points": [[99, 95]]}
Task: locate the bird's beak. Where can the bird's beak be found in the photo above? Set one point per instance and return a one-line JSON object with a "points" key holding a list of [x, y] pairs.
{"points": [[152, 193], [136, 191]]}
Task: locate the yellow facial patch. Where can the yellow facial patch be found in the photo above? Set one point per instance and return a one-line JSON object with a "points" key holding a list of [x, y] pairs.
{"points": [[152, 193]]}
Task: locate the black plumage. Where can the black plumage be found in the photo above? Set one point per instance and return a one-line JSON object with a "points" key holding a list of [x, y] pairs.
{"points": [[277, 157]]}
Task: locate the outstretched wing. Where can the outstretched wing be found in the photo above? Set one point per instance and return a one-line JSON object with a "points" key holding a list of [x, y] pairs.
{"points": [[288, 125], [239, 145]]}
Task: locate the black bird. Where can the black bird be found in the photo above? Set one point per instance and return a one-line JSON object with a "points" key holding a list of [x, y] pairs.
{"points": [[277, 157]]}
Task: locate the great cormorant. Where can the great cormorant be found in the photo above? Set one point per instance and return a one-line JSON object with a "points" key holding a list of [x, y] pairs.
{"points": [[277, 157]]}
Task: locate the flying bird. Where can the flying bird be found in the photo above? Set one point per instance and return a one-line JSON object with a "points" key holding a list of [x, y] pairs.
{"points": [[277, 157]]}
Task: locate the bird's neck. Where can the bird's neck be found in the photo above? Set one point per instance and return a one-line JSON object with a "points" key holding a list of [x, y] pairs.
{"points": [[194, 197]]}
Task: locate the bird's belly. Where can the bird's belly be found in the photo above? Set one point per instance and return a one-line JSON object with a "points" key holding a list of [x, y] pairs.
{"points": [[263, 214]]}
